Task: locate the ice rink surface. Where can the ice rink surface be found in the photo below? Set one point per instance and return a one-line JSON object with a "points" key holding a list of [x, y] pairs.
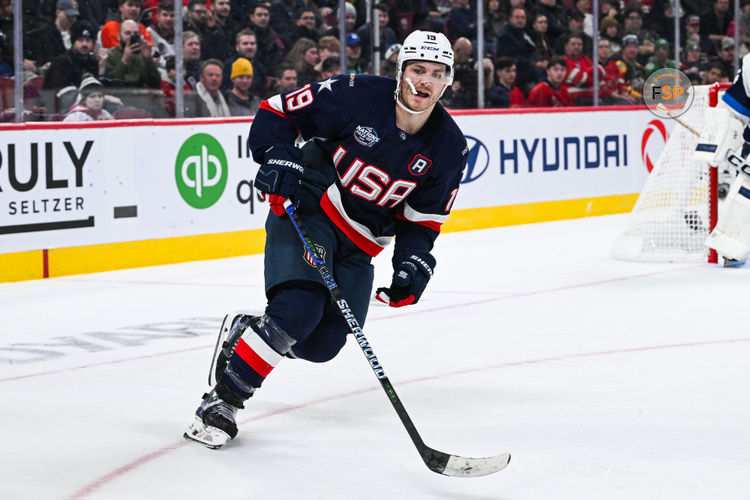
{"points": [[604, 379]]}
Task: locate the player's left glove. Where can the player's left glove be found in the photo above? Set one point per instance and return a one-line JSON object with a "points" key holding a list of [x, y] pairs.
{"points": [[410, 277]]}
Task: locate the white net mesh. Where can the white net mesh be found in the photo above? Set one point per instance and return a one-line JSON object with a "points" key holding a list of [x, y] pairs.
{"points": [[670, 220]]}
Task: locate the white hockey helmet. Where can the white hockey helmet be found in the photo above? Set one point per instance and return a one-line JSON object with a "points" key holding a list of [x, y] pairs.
{"points": [[426, 46]]}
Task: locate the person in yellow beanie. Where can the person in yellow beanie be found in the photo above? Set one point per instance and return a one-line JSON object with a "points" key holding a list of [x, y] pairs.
{"points": [[240, 100]]}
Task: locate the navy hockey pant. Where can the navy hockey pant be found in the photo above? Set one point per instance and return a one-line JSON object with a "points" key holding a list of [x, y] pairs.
{"points": [[298, 301]]}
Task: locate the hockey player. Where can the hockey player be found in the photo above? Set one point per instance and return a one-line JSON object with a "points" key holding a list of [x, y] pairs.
{"points": [[372, 169], [721, 144]]}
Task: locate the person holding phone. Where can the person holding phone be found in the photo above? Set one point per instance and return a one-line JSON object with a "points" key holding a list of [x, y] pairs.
{"points": [[130, 63]]}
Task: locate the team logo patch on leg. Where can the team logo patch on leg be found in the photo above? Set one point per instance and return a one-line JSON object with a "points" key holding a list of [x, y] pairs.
{"points": [[309, 258]]}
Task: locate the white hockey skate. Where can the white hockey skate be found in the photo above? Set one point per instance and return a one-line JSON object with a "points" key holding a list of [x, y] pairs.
{"points": [[214, 422]]}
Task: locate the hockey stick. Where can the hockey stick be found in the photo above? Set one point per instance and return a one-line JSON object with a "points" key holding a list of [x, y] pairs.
{"points": [[436, 461]]}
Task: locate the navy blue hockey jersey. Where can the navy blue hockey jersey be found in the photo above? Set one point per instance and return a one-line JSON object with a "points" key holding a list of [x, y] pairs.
{"points": [[389, 183]]}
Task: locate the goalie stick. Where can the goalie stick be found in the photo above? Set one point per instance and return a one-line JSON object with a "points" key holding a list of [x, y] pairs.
{"points": [[436, 461]]}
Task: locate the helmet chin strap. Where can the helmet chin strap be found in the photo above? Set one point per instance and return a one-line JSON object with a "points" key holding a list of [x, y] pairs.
{"points": [[402, 105]]}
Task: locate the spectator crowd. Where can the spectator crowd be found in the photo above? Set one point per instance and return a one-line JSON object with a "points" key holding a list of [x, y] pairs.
{"points": [[105, 59]]}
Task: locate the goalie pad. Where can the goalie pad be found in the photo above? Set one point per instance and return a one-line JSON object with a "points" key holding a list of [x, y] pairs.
{"points": [[731, 237], [722, 132]]}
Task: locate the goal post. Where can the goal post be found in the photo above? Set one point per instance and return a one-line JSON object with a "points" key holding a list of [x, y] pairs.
{"points": [[678, 206]]}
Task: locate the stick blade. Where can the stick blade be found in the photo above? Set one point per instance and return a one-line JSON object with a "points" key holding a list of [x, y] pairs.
{"points": [[456, 466]]}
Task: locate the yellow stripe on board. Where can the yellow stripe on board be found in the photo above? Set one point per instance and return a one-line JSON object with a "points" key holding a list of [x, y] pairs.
{"points": [[107, 257], [21, 266], [528, 213], [111, 256]]}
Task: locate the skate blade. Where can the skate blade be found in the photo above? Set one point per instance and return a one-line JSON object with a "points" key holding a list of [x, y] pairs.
{"points": [[208, 436], [223, 333]]}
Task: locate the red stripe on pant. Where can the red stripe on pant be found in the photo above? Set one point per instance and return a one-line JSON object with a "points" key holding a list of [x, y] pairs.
{"points": [[250, 357]]}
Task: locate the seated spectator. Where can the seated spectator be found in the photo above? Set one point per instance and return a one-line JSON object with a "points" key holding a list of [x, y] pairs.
{"points": [[387, 35], [222, 11], [630, 69], [633, 25], [331, 66], [557, 18], [516, 43], [328, 46], [612, 88], [714, 73], [68, 68], [350, 21], [354, 61], [191, 57], [246, 46], [575, 27], [284, 17], [211, 102], [169, 89], [128, 10], [579, 76], [494, 22], [725, 55], [609, 28], [240, 100], [271, 48], [505, 94], [130, 63], [162, 31], [543, 48], [463, 91], [462, 20], [389, 67], [716, 23], [304, 57], [550, 93], [306, 26], [285, 78], [692, 59], [693, 32], [50, 40], [214, 42], [660, 60], [91, 103]]}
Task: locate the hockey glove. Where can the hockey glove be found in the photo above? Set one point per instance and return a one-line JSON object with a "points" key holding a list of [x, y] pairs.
{"points": [[410, 278], [280, 174]]}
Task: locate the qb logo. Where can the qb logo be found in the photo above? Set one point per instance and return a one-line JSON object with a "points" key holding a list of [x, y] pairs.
{"points": [[201, 171], [419, 165]]}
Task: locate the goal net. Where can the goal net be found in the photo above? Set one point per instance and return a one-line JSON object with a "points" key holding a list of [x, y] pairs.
{"points": [[676, 209]]}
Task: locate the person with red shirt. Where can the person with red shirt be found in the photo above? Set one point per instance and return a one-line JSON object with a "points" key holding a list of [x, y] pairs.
{"points": [[550, 92], [612, 87], [579, 76]]}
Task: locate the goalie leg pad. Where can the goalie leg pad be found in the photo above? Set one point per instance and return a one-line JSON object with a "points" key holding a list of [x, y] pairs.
{"points": [[731, 237], [722, 132]]}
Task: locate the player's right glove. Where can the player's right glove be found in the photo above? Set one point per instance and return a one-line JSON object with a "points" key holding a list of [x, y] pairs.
{"points": [[280, 173], [410, 278]]}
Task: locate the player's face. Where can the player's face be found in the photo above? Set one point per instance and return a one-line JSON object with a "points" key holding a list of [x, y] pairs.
{"points": [[428, 80]]}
